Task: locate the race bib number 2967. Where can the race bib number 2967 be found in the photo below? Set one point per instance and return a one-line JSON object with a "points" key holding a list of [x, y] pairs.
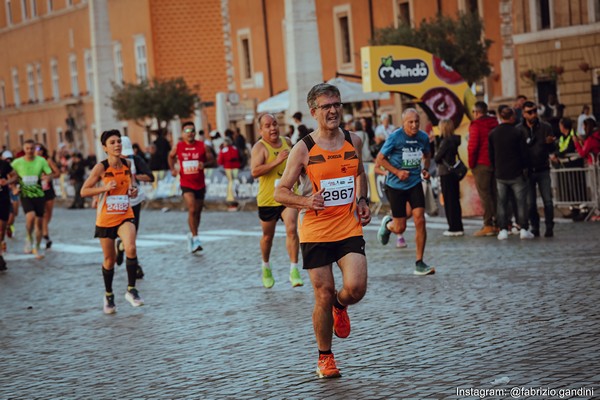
{"points": [[338, 191]]}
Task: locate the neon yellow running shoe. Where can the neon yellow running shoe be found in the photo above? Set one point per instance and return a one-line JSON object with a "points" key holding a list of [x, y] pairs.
{"points": [[295, 278], [267, 278]]}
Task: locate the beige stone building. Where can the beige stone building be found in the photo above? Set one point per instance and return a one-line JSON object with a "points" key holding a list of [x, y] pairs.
{"points": [[557, 48]]}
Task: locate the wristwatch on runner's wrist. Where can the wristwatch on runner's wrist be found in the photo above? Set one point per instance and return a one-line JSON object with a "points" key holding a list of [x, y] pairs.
{"points": [[363, 198]]}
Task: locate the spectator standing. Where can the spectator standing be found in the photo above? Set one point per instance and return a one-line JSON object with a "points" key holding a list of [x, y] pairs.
{"points": [[216, 141], [585, 114], [357, 127], [509, 159], [446, 156], [229, 156], [590, 147], [385, 129], [540, 145], [367, 127], [77, 177], [296, 122], [479, 163], [571, 184], [519, 108], [159, 154], [240, 143], [553, 112]]}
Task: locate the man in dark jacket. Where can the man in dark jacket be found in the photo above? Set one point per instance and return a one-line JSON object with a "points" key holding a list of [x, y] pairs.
{"points": [[479, 163], [510, 159], [540, 144]]}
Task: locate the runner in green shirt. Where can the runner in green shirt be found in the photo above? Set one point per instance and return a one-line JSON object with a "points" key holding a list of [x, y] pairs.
{"points": [[31, 170]]}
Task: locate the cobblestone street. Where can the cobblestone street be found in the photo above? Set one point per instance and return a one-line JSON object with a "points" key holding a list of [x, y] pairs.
{"points": [[523, 310]]}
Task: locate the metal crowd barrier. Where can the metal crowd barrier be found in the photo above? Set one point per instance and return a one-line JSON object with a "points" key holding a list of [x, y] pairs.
{"points": [[577, 187]]}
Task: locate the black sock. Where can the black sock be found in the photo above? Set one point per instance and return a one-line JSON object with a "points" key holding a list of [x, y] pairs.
{"points": [[47, 237], [325, 352], [337, 304], [108, 275], [131, 265]]}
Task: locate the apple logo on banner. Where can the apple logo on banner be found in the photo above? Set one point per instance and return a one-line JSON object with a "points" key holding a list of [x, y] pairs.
{"points": [[398, 72]]}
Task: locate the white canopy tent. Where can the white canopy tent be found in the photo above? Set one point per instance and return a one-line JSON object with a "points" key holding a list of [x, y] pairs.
{"points": [[278, 103], [351, 92]]}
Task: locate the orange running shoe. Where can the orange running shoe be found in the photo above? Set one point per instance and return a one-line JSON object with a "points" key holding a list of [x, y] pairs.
{"points": [[341, 322], [326, 367]]}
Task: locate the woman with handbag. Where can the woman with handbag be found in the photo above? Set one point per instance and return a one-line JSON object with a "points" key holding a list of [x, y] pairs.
{"points": [[446, 157]]}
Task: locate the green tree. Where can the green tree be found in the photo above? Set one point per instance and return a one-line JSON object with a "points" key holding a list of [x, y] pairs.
{"points": [[459, 42], [160, 99]]}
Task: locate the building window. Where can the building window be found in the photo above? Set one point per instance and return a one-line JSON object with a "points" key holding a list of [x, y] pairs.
{"points": [[2, 94], [45, 138], [59, 135], [89, 72], [593, 11], [50, 5], [118, 53], [34, 12], [40, 83], [403, 12], [54, 77], [24, 15], [472, 6], [343, 38], [21, 138], [30, 83], [7, 139], [9, 16], [141, 61], [74, 75], [16, 92], [246, 58], [544, 14], [36, 136], [244, 43]]}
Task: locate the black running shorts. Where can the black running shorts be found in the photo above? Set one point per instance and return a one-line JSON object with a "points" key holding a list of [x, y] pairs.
{"points": [[270, 213], [112, 232], [36, 204], [198, 193], [398, 199], [5, 208], [320, 254]]}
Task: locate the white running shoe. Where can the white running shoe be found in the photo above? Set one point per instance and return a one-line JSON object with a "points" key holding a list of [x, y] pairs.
{"points": [[190, 243], [503, 234], [196, 244], [28, 246], [109, 304], [133, 297], [525, 234]]}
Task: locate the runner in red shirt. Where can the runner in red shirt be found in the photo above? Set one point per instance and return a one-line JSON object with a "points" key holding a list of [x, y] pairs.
{"points": [[193, 157]]}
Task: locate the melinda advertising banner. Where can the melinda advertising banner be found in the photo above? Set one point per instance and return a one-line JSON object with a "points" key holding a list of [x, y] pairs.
{"points": [[439, 90]]}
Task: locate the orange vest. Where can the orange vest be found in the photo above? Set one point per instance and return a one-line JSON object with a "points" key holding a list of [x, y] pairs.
{"points": [[113, 206], [336, 171]]}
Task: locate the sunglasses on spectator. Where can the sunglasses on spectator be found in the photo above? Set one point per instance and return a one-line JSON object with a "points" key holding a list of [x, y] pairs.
{"points": [[530, 112], [188, 130], [327, 107]]}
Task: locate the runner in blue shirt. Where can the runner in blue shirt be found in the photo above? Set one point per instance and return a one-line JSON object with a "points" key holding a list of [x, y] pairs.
{"points": [[401, 155]]}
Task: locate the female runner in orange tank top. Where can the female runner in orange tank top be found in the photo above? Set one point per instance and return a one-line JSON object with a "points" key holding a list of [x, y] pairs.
{"points": [[114, 216]]}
